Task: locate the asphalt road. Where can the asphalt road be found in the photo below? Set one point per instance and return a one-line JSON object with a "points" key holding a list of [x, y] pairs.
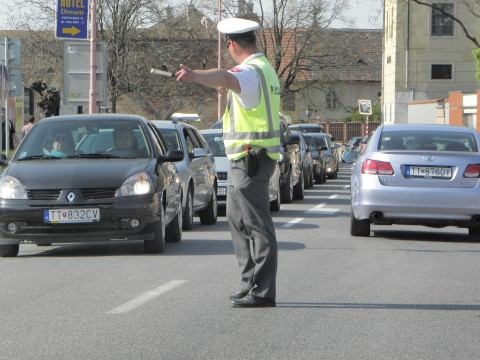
{"points": [[403, 293]]}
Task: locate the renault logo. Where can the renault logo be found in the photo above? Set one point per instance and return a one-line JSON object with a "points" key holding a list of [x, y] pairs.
{"points": [[71, 196]]}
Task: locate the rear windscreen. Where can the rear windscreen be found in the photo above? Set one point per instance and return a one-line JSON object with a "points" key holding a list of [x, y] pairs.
{"points": [[428, 140]]}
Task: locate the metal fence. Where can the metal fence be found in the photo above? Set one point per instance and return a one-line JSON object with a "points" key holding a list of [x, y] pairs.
{"points": [[342, 131]]}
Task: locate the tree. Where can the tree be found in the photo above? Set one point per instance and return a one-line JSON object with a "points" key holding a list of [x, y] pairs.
{"points": [[118, 22], [291, 30]]}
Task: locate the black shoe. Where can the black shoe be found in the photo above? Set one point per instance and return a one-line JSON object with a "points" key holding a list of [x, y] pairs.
{"points": [[239, 294], [253, 301]]}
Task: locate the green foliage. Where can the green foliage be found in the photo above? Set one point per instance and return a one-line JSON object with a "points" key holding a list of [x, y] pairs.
{"points": [[356, 117]]}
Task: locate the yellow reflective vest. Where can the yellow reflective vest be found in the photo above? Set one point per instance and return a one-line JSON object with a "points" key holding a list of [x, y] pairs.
{"points": [[258, 127]]}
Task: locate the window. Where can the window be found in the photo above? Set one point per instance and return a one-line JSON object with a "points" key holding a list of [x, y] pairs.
{"points": [[441, 72], [442, 25], [331, 98]]}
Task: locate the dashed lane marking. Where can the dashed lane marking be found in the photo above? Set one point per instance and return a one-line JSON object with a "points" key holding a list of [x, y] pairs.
{"points": [[321, 209], [334, 196], [150, 295], [293, 222]]}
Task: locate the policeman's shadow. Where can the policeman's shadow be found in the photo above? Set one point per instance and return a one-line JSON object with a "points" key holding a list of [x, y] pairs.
{"points": [[379, 306]]}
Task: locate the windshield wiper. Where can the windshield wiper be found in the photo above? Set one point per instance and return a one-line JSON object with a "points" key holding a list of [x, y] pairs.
{"points": [[39, 157], [97, 156]]}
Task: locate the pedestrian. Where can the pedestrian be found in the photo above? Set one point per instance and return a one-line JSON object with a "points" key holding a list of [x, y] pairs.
{"points": [[28, 126], [251, 129], [12, 138]]}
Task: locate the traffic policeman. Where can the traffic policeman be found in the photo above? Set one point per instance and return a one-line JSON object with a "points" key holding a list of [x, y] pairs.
{"points": [[251, 132]]}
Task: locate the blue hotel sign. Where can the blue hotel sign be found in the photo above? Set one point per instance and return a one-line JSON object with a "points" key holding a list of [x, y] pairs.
{"points": [[72, 19]]}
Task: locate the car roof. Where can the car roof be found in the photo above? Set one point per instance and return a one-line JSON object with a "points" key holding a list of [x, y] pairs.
{"points": [[426, 127], [169, 124], [211, 131], [94, 117]]}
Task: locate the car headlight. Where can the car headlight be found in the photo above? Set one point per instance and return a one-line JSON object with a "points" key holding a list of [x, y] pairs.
{"points": [[138, 184], [12, 188]]}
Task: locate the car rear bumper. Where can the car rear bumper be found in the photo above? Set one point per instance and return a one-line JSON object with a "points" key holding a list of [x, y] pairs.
{"points": [[458, 206], [114, 224]]}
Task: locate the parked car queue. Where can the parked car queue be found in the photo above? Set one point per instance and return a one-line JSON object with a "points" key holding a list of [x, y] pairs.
{"points": [[150, 179]]}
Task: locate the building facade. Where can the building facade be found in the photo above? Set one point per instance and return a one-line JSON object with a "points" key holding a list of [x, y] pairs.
{"points": [[426, 54]]}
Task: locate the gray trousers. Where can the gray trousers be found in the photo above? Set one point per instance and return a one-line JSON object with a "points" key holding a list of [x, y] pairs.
{"points": [[251, 226]]}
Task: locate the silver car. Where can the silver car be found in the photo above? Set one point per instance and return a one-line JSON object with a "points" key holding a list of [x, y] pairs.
{"points": [[196, 170], [418, 175], [214, 138]]}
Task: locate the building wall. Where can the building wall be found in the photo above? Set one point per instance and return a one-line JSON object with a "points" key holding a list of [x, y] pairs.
{"points": [[416, 51], [347, 94]]}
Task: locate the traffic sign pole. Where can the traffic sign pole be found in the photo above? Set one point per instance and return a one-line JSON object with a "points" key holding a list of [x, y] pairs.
{"points": [[92, 100]]}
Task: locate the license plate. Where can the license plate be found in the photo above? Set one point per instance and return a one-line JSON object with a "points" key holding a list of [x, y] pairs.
{"points": [[222, 191], [71, 216], [430, 172]]}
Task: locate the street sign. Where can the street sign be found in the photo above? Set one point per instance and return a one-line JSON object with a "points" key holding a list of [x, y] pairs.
{"points": [[11, 59], [72, 19], [76, 68], [365, 107]]}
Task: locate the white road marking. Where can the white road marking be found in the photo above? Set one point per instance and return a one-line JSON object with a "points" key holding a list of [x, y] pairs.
{"points": [[293, 222], [321, 209], [334, 196], [346, 186], [150, 295]]}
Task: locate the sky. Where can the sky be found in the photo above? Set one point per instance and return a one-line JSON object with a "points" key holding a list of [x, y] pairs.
{"points": [[361, 15]]}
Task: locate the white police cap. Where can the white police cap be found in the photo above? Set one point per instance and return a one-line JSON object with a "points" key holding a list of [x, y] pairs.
{"points": [[237, 26]]}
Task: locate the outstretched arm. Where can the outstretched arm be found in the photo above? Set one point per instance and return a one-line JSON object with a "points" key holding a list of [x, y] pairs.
{"points": [[214, 78]]}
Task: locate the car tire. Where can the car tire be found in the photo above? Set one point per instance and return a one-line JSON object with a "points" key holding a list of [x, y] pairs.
{"points": [[286, 192], [474, 233], [359, 227], [299, 188], [210, 214], [157, 245], [9, 250], [187, 221], [275, 204], [173, 232]]}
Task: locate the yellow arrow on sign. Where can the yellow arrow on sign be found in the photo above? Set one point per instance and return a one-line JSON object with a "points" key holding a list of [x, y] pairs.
{"points": [[71, 30]]}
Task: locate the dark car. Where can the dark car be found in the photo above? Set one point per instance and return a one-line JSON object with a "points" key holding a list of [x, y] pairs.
{"points": [[327, 146], [197, 171], [319, 158], [305, 158], [306, 128], [86, 178], [291, 180]]}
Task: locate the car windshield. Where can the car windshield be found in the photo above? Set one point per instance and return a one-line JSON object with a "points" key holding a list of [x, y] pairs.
{"points": [[84, 139], [312, 144], [171, 138], [427, 140], [215, 142]]}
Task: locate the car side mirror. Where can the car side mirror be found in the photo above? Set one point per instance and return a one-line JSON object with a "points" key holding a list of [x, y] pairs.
{"points": [[199, 152], [172, 156]]}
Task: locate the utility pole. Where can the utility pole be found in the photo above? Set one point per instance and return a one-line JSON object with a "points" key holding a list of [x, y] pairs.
{"points": [[92, 100], [219, 61]]}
